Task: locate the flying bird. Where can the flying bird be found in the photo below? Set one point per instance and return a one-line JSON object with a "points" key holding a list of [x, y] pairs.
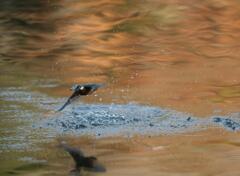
{"points": [[80, 90], [89, 163]]}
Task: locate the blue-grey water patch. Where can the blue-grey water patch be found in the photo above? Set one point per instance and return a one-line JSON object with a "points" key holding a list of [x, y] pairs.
{"points": [[232, 124], [122, 119], [31, 118]]}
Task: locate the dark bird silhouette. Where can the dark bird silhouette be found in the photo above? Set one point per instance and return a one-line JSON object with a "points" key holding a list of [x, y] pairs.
{"points": [[89, 163], [80, 90]]}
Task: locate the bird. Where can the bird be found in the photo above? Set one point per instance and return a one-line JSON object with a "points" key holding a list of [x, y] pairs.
{"points": [[80, 90], [89, 163]]}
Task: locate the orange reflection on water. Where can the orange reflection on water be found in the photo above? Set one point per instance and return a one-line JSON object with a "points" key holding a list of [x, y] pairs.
{"points": [[181, 61], [199, 153]]}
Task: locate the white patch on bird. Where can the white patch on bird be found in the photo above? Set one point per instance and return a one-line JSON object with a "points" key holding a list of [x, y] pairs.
{"points": [[81, 88]]}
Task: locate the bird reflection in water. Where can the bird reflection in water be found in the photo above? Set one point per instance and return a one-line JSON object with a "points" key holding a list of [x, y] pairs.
{"points": [[88, 163], [80, 90]]}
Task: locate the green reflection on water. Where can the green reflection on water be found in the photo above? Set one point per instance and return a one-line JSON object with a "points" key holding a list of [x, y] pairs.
{"points": [[226, 93], [145, 21]]}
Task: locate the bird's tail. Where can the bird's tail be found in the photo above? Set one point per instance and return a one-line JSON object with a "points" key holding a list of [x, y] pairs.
{"points": [[67, 103]]}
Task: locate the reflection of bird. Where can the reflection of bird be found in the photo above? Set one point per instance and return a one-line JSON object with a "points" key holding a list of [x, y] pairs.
{"points": [[89, 163], [80, 90]]}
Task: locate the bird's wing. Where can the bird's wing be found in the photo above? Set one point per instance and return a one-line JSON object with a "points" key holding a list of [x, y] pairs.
{"points": [[65, 104], [70, 99]]}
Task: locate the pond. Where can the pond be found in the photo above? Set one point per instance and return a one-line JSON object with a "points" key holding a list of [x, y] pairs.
{"points": [[170, 104]]}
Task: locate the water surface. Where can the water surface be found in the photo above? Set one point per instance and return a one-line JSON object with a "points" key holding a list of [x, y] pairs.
{"points": [[163, 60]]}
